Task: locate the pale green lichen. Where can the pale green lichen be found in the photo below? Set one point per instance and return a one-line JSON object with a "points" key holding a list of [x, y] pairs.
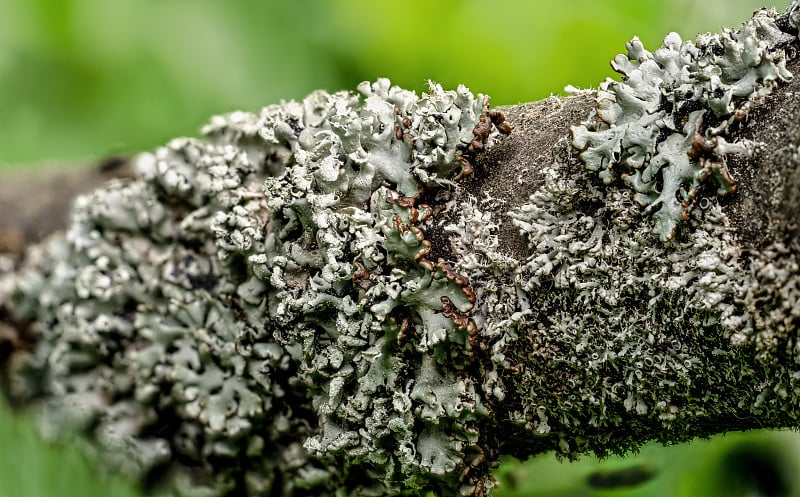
{"points": [[259, 312], [660, 128], [580, 306], [609, 331], [256, 314]]}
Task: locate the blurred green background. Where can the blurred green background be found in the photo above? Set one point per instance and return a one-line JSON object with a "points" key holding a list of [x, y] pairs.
{"points": [[85, 79]]}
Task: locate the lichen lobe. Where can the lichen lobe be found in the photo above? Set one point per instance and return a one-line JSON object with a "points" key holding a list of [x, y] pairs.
{"points": [[631, 314], [256, 312], [661, 129]]}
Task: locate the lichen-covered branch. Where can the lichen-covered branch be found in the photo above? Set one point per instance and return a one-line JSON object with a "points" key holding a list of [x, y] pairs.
{"points": [[380, 293]]}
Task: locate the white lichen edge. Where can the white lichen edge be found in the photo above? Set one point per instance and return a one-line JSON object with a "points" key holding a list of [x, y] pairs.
{"points": [[256, 312], [256, 308]]}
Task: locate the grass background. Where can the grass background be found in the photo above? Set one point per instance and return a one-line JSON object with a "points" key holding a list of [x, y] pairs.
{"points": [[84, 79]]}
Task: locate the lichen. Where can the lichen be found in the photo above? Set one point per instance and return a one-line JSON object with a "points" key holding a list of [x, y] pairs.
{"points": [[579, 347], [310, 301], [659, 130], [617, 327], [256, 313]]}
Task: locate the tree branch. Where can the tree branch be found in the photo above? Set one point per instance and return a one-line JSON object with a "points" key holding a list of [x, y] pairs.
{"points": [[35, 203], [386, 295]]}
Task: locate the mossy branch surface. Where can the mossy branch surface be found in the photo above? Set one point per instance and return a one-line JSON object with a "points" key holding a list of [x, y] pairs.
{"points": [[381, 293]]}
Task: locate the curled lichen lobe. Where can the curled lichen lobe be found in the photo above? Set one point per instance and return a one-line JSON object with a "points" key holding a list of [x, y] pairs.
{"points": [[258, 308], [661, 129]]}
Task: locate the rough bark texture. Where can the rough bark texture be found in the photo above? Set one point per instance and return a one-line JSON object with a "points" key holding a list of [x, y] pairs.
{"points": [[578, 315], [727, 382]]}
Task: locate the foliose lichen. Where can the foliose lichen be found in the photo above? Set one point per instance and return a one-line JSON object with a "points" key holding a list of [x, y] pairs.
{"points": [[617, 329], [264, 311], [660, 130], [256, 312]]}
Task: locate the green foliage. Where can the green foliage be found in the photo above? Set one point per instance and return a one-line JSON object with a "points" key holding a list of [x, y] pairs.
{"points": [[32, 468], [736, 465], [84, 78]]}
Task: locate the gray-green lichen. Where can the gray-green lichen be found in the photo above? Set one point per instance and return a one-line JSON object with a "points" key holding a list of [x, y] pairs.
{"points": [[264, 311], [607, 332], [256, 314], [616, 330], [660, 129]]}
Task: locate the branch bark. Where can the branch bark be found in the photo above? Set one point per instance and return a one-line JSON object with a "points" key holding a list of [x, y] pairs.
{"points": [[35, 202], [587, 323]]}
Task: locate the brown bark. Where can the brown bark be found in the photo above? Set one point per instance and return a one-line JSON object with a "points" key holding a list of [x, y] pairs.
{"points": [[35, 202]]}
